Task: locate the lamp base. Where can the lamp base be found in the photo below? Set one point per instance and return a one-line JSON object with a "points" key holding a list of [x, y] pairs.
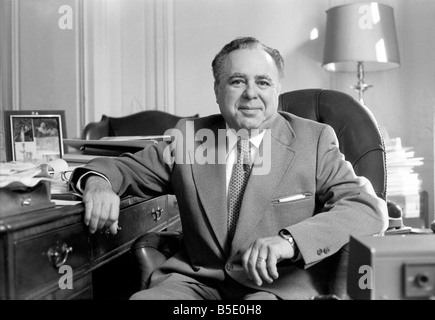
{"points": [[361, 86]]}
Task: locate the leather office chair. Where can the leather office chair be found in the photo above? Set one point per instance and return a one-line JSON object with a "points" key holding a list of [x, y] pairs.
{"points": [[355, 126], [143, 123], [359, 140]]}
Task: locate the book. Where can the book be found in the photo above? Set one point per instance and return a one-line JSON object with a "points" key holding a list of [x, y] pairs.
{"points": [[112, 151], [124, 141], [78, 158], [129, 138], [114, 146]]}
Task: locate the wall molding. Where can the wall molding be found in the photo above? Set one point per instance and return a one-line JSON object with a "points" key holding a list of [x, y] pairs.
{"points": [[15, 55], [164, 43], [80, 66], [129, 65], [170, 57], [162, 56]]}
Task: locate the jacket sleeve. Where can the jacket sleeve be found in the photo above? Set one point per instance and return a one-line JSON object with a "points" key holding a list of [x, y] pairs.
{"points": [[350, 205], [146, 173]]}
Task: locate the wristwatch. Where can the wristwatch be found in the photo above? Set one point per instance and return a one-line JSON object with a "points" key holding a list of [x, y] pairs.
{"points": [[286, 235]]}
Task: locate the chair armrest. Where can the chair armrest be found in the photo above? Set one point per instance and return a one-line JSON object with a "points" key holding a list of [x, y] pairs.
{"points": [[152, 250], [96, 130]]}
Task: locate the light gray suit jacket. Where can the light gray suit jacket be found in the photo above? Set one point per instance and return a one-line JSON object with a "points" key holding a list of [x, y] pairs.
{"points": [[305, 160]]}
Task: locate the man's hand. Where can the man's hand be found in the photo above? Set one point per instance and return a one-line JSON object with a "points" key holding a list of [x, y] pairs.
{"points": [[260, 259], [101, 205]]}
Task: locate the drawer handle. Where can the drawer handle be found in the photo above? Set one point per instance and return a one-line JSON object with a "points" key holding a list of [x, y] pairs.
{"points": [[157, 214], [58, 254], [25, 202]]}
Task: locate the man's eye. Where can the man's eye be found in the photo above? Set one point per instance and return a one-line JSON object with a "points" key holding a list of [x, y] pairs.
{"points": [[263, 83], [237, 82]]}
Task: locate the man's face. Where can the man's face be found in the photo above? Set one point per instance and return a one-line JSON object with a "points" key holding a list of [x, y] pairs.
{"points": [[248, 91]]}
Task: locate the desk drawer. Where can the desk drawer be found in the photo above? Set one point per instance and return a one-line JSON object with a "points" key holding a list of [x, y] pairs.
{"points": [[134, 221], [36, 258]]}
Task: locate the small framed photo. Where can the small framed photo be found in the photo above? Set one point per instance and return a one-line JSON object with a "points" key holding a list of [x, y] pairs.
{"points": [[34, 136]]}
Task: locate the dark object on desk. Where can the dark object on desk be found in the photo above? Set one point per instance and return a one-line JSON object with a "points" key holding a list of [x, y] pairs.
{"points": [[396, 218], [395, 215], [112, 151], [392, 267], [394, 210], [359, 140], [144, 123], [20, 200]]}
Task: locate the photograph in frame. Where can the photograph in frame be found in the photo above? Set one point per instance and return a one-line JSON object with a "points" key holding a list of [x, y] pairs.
{"points": [[34, 136]]}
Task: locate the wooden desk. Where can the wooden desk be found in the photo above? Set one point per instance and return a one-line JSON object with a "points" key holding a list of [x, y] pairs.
{"points": [[29, 243]]}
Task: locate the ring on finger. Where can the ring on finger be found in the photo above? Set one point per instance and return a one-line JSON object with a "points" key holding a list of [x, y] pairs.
{"points": [[261, 259]]}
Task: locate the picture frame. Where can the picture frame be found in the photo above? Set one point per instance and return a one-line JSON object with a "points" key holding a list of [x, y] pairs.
{"points": [[34, 136]]}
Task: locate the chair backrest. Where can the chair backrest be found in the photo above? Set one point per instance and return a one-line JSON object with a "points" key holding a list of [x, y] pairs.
{"points": [[356, 128], [143, 123]]}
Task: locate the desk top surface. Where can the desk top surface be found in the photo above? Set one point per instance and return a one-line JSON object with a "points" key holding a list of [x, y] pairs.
{"points": [[396, 244]]}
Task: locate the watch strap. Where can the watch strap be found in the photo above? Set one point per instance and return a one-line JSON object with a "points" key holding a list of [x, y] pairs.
{"points": [[286, 235]]}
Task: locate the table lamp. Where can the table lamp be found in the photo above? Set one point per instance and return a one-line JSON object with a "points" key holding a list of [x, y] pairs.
{"points": [[360, 37]]}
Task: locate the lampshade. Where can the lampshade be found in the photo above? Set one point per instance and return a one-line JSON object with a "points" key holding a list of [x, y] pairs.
{"points": [[360, 32]]}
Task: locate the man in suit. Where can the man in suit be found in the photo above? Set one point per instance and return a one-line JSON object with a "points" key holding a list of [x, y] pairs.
{"points": [[291, 219]]}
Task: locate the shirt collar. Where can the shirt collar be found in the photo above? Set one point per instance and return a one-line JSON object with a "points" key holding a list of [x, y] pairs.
{"points": [[232, 139]]}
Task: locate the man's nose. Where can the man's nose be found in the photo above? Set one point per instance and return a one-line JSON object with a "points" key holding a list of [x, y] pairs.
{"points": [[250, 91]]}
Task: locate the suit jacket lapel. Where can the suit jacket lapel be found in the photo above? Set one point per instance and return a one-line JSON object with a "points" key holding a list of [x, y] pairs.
{"points": [[260, 188], [210, 180]]}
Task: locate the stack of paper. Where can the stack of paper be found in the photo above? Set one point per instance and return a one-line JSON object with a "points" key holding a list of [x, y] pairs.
{"points": [[401, 178], [18, 175], [403, 184]]}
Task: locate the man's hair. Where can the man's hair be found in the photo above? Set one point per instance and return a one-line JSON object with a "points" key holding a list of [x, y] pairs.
{"points": [[245, 43]]}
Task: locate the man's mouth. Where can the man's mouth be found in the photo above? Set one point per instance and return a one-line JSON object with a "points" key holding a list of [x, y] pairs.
{"points": [[246, 109]]}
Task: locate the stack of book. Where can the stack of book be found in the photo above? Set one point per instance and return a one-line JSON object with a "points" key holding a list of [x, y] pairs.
{"points": [[403, 184]]}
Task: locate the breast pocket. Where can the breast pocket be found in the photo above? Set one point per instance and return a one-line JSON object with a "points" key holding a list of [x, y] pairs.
{"points": [[292, 209]]}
